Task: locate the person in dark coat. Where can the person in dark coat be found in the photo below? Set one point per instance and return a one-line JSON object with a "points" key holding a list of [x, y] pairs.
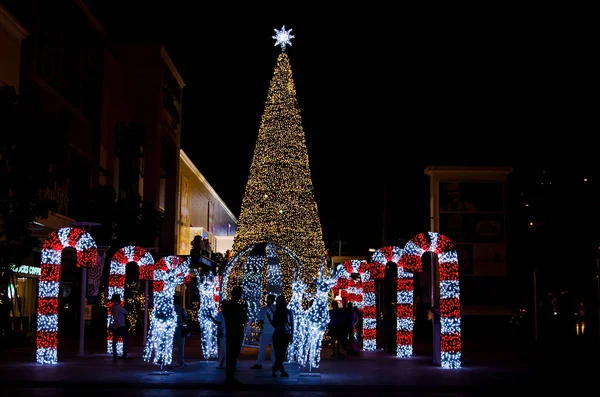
{"points": [[235, 314]]}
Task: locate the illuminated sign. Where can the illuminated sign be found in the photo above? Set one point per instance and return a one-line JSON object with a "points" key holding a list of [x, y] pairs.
{"points": [[26, 269]]}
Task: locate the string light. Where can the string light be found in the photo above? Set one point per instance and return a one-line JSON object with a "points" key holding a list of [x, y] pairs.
{"points": [[169, 272], [47, 314], [278, 204], [404, 298], [313, 321], [295, 306], [449, 289], [273, 272], [116, 281], [352, 290], [257, 275], [207, 287], [252, 285]]}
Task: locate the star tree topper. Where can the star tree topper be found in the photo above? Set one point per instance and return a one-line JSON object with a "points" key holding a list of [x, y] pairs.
{"points": [[283, 37]]}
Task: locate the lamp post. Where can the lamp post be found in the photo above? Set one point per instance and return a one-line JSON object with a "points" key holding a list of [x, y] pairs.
{"points": [[85, 226], [598, 291]]}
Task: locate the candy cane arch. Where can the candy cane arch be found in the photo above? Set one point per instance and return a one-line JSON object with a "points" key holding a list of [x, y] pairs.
{"points": [[353, 291], [442, 246], [47, 314], [116, 280], [169, 272], [404, 301]]}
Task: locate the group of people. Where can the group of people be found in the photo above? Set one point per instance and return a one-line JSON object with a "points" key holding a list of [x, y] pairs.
{"points": [[343, 322], [277, 329], [275, 320]]}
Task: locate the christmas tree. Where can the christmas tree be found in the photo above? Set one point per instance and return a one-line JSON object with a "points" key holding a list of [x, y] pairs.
{"points": [[278, 205]]}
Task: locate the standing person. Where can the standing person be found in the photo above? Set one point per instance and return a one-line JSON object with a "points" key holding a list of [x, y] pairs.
{"points": [[220, 321], [118, 313], [359, 325], [348, 325], [389, 324], [6, 312], [283, 323], [335, 328], [236, 315], [181, 330], [266, 335]]}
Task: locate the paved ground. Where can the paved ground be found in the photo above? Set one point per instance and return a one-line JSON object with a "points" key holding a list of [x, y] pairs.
{"points": [[371, 373]]}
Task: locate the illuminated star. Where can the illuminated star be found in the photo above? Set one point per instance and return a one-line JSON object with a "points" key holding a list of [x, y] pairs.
{"points": [[283, 37]]}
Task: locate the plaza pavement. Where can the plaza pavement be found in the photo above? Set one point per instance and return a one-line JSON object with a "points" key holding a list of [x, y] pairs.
{"points": [[483, 372]]}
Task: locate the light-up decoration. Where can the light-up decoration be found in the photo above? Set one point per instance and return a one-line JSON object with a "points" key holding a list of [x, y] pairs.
{"points": [[274, 281], [314, 321], [294, 352], [116, 281], [449, 308], [47, 314], [282, 37], [207, 286], [361, 293], [252, 284], [279, 204], [234, 269], [404, 301], [169, 272]]}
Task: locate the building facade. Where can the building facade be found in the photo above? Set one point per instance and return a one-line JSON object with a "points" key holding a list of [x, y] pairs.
{"points": [[202, 212], [141, 120], [467, 204], [12, 32]]}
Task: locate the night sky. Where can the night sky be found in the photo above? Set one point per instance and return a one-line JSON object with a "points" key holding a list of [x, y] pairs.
{"points": [[383, 93]]}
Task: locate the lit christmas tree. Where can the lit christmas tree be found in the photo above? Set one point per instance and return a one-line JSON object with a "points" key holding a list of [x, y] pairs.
{"points": [[278, 204]]}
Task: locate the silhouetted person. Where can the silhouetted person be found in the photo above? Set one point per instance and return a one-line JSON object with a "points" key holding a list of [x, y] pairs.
{"points": [[236, 315], [180, 332], [335, 328], [389, 326], [118, 313], [283, 324], [6, 310], [266, 334], [348, 325]]}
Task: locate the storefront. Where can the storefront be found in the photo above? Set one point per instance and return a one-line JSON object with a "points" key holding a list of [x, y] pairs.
{"points": [[22, 291]]}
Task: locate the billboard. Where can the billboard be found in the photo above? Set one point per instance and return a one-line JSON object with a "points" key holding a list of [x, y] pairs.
{"points": [[472, 215]]}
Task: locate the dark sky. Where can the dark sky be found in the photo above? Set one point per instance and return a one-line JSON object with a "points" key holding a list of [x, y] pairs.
{"points": [[383, 93]]}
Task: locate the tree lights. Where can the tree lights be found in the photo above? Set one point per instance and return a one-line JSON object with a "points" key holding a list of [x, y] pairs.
{"points": [[278, 204], [449, 304], [47, 315], [116, 280], [169, 272]]}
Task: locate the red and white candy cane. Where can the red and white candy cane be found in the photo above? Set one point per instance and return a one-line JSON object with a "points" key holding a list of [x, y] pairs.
{"points": [[362, 295], [116, 280], [404, 299], [47, 314], [442, 246], [169, 272]]}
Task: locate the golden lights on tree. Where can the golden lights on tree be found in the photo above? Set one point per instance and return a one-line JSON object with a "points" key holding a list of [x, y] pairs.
{"points": [[278, 204]]}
